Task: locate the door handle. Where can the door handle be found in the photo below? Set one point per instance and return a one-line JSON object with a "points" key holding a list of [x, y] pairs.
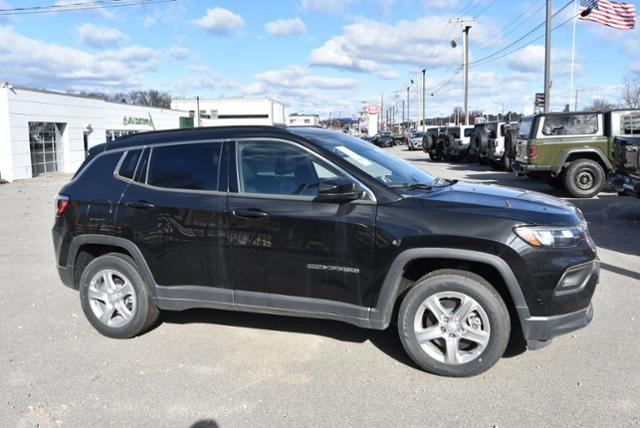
{"points": [[250, 213], [139, 205]]}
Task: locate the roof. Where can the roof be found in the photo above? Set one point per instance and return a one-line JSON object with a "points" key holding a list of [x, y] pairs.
{"points": [[189, 134]]}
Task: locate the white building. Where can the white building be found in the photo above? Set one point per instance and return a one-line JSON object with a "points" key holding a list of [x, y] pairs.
{"points": [[43, 132], [304, 120], [233, 111]]}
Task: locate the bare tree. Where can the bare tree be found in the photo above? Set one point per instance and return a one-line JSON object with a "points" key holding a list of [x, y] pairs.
{"points": [[631, 92], [146, 97], [600, 105]]}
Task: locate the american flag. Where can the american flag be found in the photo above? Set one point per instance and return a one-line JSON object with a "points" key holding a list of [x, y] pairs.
{"points": [[612, 14]]}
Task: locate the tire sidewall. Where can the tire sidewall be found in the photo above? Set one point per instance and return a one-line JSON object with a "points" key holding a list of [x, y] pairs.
{"points": [[479, 290], [570, 176], [126, 267]]}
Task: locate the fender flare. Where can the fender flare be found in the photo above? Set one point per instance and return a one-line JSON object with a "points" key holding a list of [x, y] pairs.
{"points": [[564, 154], [113, 241], [380, 315]]}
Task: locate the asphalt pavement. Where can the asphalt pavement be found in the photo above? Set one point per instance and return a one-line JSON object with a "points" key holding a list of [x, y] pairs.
{"points": [[215, 368]]}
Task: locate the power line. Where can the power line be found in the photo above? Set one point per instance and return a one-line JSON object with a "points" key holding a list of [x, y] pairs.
{"points": [[79, 6], [562, 24], [526, 15], [521, 37], [484, 9]]}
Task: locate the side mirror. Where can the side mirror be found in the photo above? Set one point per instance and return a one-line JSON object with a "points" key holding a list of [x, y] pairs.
{"points": [[339, 190]]}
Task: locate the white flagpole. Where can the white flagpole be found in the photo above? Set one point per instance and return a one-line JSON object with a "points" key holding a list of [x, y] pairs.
{"points": [[573, 51]]}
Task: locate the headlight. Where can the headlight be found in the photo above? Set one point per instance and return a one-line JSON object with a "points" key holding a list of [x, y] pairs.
{"points": [[553, 237]]}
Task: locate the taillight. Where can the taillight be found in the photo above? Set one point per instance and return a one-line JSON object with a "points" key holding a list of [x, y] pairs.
{"points": [[61, 204], [532, 152]]}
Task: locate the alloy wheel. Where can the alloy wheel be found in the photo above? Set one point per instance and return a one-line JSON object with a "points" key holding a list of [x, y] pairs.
{"points": [[452, 328], [112, 298]]}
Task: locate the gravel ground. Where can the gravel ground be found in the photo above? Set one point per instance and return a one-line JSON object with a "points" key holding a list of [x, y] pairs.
{"points": [[216, 368]]}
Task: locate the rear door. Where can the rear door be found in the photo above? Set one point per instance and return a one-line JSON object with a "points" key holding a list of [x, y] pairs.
{"points": [[174, 211]]}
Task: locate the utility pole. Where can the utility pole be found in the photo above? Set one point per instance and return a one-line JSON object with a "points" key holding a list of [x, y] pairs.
{"points": [[465, 42], [197, 112], [575, 108], [404, 125], [382, 110], [408, 104], [424, 71], [547, 56], [465, 61]]}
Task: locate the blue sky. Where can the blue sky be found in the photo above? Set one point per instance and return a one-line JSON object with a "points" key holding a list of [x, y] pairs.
{"points": [[317, 56]]}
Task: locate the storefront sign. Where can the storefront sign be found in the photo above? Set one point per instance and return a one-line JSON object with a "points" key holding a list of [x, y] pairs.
{"points": [[130, 120]]}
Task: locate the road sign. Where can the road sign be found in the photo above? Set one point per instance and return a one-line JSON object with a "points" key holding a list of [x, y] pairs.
{"points": [[540, 100]]}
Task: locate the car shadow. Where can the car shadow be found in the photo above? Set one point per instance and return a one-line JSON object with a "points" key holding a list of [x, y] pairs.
{"points": [[386, 341]]}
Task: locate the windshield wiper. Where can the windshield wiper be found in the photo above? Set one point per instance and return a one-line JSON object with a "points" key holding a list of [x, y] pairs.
{"points": [[411, 186]]}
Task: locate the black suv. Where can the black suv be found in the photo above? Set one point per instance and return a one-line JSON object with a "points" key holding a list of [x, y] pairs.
{"points": [[308, 222]]}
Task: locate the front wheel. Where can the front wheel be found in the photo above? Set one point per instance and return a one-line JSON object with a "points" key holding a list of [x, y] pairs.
{"points": [[454, 323]]}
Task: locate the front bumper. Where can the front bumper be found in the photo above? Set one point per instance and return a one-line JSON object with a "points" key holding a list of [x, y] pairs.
{"points": [[539, 331]]}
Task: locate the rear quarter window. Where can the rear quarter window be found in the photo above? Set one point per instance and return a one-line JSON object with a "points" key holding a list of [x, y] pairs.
{"points": [[570, 124], [99, 168]]}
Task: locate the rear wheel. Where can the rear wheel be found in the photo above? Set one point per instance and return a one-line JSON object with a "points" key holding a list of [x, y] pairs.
{"points": [[454, 323], [114, 297], [584, 178]]}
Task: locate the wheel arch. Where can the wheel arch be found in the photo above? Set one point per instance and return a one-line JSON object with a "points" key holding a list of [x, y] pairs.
{"points": [[85, 248], [592, 154], [414, 263]]}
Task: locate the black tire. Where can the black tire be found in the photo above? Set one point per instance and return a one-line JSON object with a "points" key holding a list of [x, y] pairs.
{"points": [[584, 178], [556, 182], [469, 285], [435, 155], [427, 143], [145, 312], [506, 162], [495, 164]]}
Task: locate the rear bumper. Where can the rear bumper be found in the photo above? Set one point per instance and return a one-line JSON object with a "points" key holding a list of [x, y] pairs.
{"points": [[524, 168], [539, 331], [66, 276]]}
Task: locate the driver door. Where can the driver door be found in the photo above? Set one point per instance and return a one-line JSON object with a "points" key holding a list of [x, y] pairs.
{"points": [[282, 242]]}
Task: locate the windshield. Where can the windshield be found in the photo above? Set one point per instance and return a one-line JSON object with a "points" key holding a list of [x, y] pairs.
{"points": [[368, 158], [417, 135], [524, 131]]}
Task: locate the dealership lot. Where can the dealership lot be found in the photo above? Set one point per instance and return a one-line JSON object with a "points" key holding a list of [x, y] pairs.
{"points": [[243, 369]]}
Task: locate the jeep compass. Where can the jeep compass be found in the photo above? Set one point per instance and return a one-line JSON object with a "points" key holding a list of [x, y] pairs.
{"points": [[312, 223]]}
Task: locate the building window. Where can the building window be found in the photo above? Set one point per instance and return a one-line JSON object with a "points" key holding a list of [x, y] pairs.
{"points": [[45, 141], [113, 134]]}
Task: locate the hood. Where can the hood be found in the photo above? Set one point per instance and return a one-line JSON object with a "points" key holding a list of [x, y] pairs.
{"points": [[499, 201]]}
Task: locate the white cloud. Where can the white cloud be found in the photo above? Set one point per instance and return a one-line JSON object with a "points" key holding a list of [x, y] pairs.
{"points": [[388, 74], [365, 45], [97, 36], [530, 60], [35, 63], [440, 3], [178, 52], [296, 77], [286, 27], [324, 6], [201, 78], [221, 22]]}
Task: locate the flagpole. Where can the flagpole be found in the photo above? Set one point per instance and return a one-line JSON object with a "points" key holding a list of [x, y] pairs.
{"points": [[573, 50]]}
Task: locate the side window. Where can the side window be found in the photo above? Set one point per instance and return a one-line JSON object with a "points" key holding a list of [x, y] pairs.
{"points": [[129, 164], [275, 168], [185, 166], [577, 124]]}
